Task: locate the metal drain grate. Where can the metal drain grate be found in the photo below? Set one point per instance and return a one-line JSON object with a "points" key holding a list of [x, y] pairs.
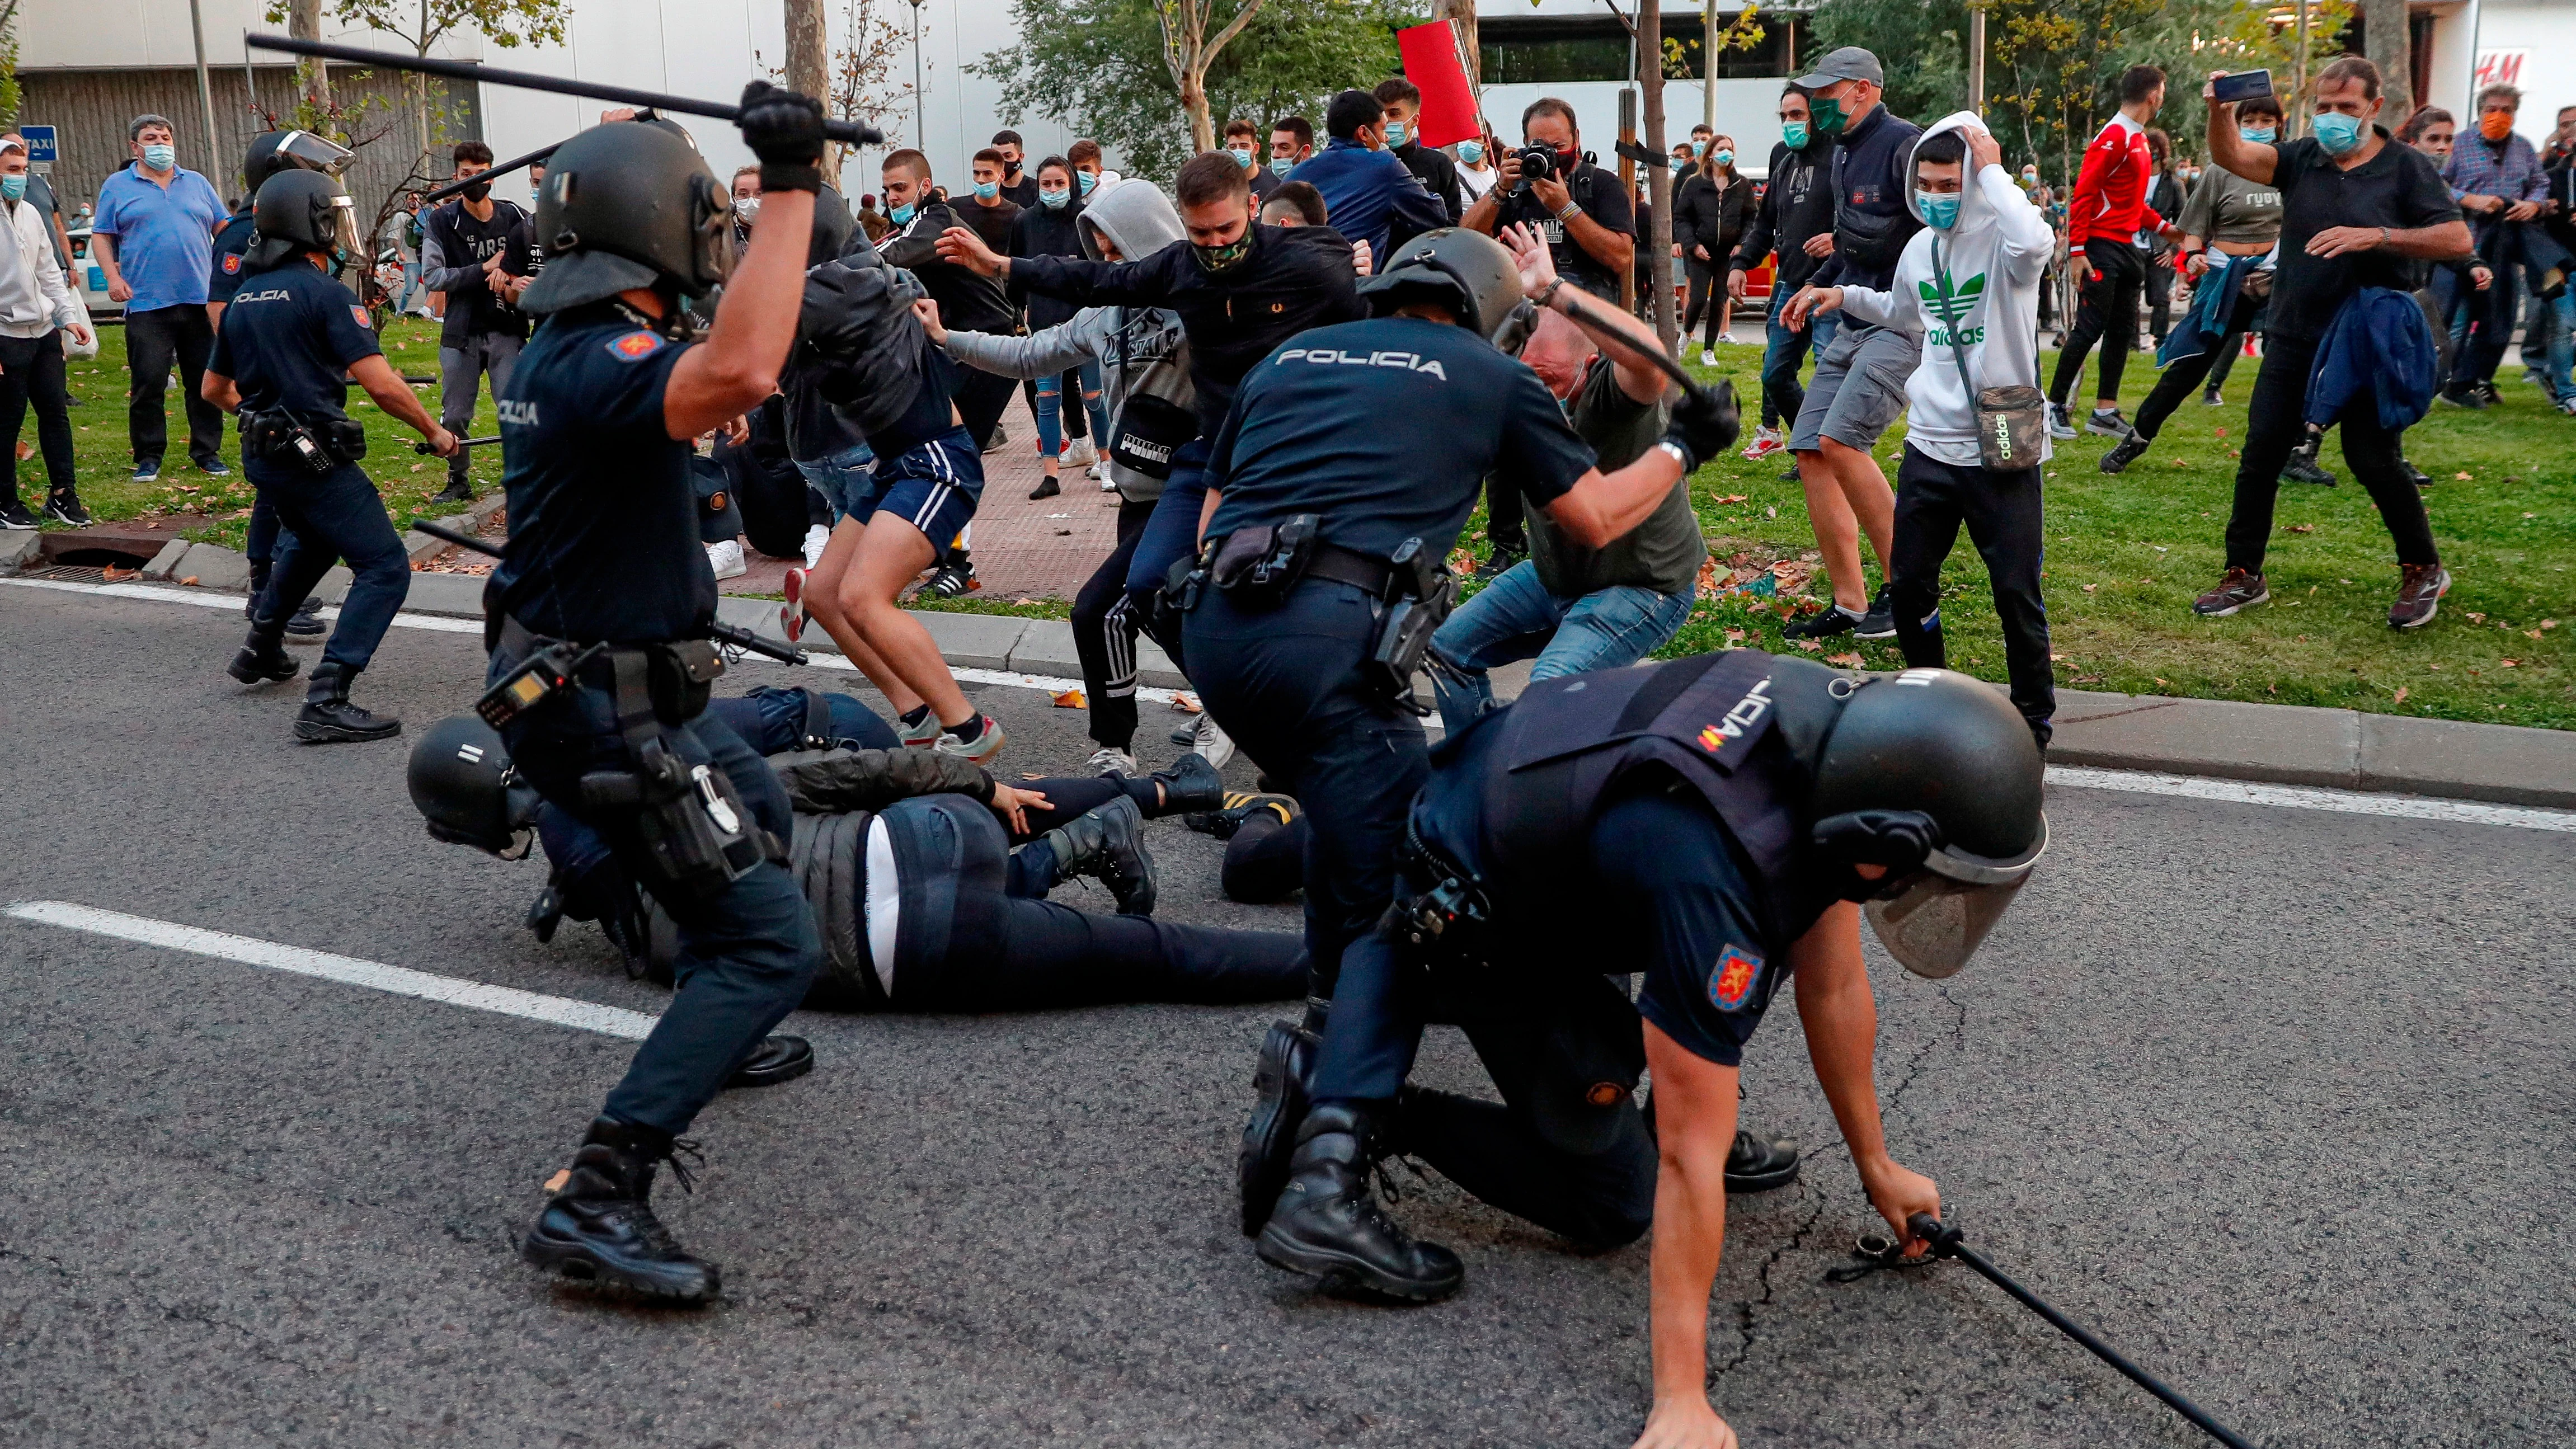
{"points": [[73, 573]]}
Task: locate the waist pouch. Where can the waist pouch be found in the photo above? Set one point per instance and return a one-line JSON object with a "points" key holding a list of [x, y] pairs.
{"points": [[2012, 422], [1255, 567], [696, 832], [1872, 243], [279, 436]]}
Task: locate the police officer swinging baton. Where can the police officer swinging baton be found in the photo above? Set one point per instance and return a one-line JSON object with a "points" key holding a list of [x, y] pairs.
{"points": [[721, 633], [1946, 1244], [855, 132]]}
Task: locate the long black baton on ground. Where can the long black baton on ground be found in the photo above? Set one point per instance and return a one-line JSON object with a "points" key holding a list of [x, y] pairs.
{"points": [[488, 173], [725, 634], [1945, 1244], [854, 132]]}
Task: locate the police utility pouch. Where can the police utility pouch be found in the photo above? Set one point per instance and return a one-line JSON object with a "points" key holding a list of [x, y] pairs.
{"points": [[2012, 422], [1256, 567], [1420, 596], [697, 833]]}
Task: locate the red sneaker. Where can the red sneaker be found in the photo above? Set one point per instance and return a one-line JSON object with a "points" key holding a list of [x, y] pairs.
{"points": [[2420, 588]]}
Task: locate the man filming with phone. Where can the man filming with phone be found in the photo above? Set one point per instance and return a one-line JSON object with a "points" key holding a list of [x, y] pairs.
{"points": [[1578, 207]]}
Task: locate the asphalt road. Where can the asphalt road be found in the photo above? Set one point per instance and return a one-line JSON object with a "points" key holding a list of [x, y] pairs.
{"points": [[2275, 1099]]}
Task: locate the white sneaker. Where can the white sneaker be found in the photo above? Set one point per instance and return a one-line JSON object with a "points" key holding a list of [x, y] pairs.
{"points": [[1080, 453], [726, 559], [1707, 357], [981, 753], [816, 537], [1213, 742], [1111, 761]]}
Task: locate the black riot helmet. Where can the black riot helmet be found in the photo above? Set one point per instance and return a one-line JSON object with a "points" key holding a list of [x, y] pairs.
{"points": [[1934, 776], [628, 205], [274, 151], [464, 786], [1467, 272], [300, 211]]}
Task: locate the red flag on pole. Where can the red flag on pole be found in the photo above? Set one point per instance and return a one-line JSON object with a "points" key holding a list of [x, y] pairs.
{"points": [[1434, 61]]}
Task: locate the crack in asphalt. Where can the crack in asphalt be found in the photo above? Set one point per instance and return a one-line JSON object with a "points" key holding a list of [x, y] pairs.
{"points": [[260, 1346]]}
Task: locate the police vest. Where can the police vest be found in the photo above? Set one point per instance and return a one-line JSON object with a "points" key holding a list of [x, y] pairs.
{"points": [[1742, 728]]}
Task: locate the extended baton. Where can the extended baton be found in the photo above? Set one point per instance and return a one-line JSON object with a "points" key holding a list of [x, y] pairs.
{"points": [[854, 132], [423, 445], [1655, 355], [721, 633], [488, 172], [1945, 1244]]}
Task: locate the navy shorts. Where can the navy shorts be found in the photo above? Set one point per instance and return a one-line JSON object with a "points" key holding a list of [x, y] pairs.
{"points": [[934, 487]]}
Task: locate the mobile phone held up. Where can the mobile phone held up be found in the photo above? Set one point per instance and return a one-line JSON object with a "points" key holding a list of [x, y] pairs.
{"points": [[2244, 85]]}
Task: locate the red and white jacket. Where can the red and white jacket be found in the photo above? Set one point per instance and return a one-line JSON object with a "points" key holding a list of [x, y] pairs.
{"points": [[2110, 197]]}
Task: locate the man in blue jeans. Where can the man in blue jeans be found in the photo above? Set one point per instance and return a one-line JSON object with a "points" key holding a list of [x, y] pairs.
{"points": [[1575, 608]]}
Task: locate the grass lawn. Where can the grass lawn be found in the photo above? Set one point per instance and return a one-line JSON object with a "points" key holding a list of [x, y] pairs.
{"points": [[2126, 555]]}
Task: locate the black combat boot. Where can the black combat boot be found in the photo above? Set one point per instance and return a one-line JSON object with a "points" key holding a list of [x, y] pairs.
{"points": [[599, 1225], [1328, 1225], [776, 1059], [329, 718], [1109, 845], [1279, 1083], [1756, 1163], [263, 660], [1191, 784]]}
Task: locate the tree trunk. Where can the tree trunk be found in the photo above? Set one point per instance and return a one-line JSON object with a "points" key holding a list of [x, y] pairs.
{"points": [[2388, 38], [809, 49], [313, 83], [1659, 178], [1194, 101]]}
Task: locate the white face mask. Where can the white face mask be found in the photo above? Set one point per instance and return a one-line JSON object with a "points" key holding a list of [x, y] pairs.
{"points": [[746, 209]]}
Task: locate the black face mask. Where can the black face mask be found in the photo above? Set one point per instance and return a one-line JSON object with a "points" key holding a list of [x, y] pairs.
{"points": [[475, 191]]}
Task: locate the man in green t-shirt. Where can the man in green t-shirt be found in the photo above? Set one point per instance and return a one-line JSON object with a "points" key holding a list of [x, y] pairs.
{"points": [[1575, 608]]}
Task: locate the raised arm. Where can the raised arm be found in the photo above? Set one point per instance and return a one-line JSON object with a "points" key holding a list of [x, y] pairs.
{"points": [[1626, 340], [2228, 149], [737, 367]]}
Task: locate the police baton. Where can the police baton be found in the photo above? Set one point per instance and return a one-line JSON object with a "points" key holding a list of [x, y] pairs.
{"points": [[721, 633], [853, 132], [423, 445], [1654, 355], [1945, 1244]]}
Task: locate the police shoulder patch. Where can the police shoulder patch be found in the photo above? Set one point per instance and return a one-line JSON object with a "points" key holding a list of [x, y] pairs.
{"points": [[360, 314], [1731, 981], [232, 263], [635, 346]]}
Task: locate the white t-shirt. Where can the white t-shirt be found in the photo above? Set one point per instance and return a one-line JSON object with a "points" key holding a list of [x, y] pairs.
{"points": [[1474, 184]]}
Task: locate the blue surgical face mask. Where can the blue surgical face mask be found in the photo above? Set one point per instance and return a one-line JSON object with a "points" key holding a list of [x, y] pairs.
{"points": [[987, 190], [1794, 135], [1242, 156], [1085, 180], [1681, 163], [14, 187], [1471, 152], [1699, 148], [1725, 158], [1281, 165], [1055, 200], [2337, 132], [159, 158], [900, 214], [1397, 133], [1940, 209], [2259, 135]]}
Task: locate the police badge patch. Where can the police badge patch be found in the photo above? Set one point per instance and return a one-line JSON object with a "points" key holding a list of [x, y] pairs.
{"points": [[1731, 981], [360, 313], [232, 263], [635, 346]]}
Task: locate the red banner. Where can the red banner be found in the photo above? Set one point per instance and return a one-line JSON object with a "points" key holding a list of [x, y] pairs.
{"points": [[1435, 61]]}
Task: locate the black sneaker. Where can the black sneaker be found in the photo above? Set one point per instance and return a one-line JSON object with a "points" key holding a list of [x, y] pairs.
{"points": [[2303, 468], [2124, 452], [1880, 621], [954, 580], [2109, 423], [2211, 398], [776, 1059], [456, 491], [599, 1226], [1192, 783], [2060, 425], [14, 514], [2415, 475], [1789, 474], [2236, 592], [64, 505], [1108, 844], [1833, 621], [1498, 563], [1240, 806], [215, 468], [305, 625]]}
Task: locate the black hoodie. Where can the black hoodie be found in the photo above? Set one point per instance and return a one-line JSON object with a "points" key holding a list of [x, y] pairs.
{"points": [[1873, 201], [1796, 204]]}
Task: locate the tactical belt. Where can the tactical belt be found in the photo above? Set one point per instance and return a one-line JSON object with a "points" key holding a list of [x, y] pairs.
{"points": [[1366, 572]]}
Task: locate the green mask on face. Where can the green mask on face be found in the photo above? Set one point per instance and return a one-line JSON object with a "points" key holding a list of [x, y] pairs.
{"points": [[1794, 133], [1829, 115]]}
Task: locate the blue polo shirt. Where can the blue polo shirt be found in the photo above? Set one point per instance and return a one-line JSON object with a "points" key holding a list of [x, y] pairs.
{"points": [[162, 234]]}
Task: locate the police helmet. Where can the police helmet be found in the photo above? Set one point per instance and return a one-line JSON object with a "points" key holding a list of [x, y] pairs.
{"points": [[628, 205], [274, 151], [299, 211], [464, 786], [1934, 776], [1467, 272]]}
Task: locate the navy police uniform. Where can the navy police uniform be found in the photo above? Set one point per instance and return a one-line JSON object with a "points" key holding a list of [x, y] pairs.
{"points": [[1384, 430], [1678, 788], [224, 278], [288, 340], [604, 548]]}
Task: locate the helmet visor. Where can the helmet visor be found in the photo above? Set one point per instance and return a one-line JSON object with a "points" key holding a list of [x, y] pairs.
{"points": [[313, 153], [1932, 925], [343, 232]]}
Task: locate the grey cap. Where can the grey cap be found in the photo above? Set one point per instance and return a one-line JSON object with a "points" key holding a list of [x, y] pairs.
{"points": [[1849, 63]]}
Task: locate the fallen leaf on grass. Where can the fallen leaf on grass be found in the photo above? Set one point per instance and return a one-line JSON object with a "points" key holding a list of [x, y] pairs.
{"points": [[2271, 689], [2510, 663], [2054, 658], [1773, 510], [2528, 515], [2548, 623], [2460, 477], [1848, 660], [2401, 695], [1810, 645], [1069, 699], [2531, 633], [1735, 498], [1734, 636], [2303, 528], [2088, 588], [2159, 681], [2478, 618]]}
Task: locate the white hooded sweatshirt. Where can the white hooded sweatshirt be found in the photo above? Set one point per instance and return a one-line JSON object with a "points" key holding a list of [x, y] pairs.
{"points": [[1993, 258]]}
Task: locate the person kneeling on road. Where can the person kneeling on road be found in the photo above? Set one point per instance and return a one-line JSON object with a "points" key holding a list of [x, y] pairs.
{"points": [[1711, 822], [1571, 607], [290, 342]]}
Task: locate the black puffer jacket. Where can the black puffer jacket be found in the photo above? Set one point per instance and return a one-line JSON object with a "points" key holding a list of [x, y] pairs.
{"points": [[1705, 216], [827, 782]]}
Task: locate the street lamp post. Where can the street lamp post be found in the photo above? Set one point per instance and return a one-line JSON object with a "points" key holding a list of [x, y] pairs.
{"points": [[920, 98]]}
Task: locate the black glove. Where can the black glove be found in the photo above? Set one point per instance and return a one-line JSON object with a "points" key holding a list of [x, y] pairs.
{"points": [[1704, 425], [785, 130]]}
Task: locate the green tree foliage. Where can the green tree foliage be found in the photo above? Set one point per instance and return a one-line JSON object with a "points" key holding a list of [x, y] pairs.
{"points": [[1097, 65]]}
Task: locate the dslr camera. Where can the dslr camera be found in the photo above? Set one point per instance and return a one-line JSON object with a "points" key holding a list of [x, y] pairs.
{"points": [[1537, 164]]}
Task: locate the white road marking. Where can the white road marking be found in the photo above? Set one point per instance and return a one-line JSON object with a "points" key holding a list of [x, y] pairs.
{"points": [[348, 970], [2143, 782]]}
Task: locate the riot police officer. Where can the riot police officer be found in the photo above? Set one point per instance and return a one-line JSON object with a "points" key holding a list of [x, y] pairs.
{"points": [[599, 612], [1330, 525], [292, 340], [1709, 822]]}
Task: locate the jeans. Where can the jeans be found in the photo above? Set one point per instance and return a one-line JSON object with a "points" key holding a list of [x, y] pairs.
{"points": [[2277, 423], [2106, 311], [2185, 373], [1286, 684], [1784, 351], [461, 370], [2002, 512], [842, 478], [1170, 535], [745, 956], [31, 371], [1515, 617], [328, 518], [1050, 409], [1105, 624], [154, 340]]}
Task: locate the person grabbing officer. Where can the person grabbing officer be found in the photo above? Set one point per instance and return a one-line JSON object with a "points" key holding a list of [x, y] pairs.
{"points": [[1579, 208], [1714, 823], [599, 611], [1329, 522], [292, 340]]}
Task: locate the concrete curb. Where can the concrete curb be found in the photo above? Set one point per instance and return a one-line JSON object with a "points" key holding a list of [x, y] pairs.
{"points": [[421, 545], [2270, 743]]}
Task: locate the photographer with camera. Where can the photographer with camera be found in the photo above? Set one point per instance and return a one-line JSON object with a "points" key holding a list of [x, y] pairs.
{"points": [[1590, 229]]}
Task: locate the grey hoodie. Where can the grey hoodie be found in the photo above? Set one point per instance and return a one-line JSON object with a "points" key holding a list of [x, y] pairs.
{"points": [[1993, 259], [1126, 341]]}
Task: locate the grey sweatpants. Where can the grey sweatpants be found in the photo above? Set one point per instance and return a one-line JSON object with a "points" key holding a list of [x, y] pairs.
{"points": [[460, 374]]}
